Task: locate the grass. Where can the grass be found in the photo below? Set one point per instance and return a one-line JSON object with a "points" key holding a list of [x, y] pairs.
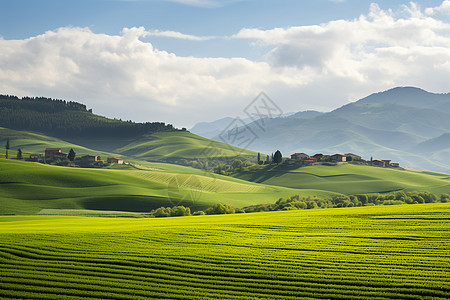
{"points": [[352, 179], [27, 188], [180, 145], [396, 252], [35, 143]]}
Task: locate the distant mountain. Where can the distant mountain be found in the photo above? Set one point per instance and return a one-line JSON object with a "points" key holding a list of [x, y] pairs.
{"points": [[214, 128], [404, 124]]}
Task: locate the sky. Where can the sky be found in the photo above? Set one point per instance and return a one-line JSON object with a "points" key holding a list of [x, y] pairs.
{"points": [[187, 61]]}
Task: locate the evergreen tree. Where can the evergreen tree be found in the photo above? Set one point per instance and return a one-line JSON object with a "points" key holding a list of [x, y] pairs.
{"points": [[277, 158], [7, 147], [259, 158], [267, 160], [19, 154], [71, 155]]}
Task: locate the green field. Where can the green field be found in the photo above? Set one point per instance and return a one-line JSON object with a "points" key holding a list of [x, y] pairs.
{"points": [[381, 252], [26, 188], [352, 179], [34, 143]]}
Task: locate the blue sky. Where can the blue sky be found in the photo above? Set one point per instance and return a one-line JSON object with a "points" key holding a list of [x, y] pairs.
{"points": [[176, 60]]}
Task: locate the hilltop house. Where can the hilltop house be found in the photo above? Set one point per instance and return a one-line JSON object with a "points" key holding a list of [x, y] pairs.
{"points": [[115, 160], [338, 157], [387, 163], [299, 156], [89, 158], [378, 163], [55, 153], [353, 157]]}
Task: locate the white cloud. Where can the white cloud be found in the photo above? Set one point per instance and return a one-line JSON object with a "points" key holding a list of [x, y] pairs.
{"points": [[444, 9], [178, 35], [307, 67]]}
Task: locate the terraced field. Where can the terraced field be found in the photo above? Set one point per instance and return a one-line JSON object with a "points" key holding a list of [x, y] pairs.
{"points": [[381, 252]]}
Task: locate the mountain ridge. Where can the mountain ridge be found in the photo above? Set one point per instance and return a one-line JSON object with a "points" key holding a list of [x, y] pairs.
{"points": [[384, 125]]}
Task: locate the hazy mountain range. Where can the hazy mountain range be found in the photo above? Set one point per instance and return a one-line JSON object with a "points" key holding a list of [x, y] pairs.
{"points": [[405, 124]]}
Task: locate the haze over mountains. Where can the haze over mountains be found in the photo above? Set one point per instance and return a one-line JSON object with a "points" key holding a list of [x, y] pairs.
{"points": [[405, 124]]}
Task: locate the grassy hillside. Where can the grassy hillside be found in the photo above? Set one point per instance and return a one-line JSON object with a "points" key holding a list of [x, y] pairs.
{"points": [[351, 179], [26, 188], [162, 146], [35, 143], [179, 145], [387, 252]]}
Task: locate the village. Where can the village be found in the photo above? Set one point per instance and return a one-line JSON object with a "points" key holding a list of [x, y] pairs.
{"points": [[55, 154], [304, 159]]}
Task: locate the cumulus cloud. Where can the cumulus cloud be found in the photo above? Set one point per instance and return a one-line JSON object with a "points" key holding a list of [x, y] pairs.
{"points": [[122, 75], [444, 8], [306, 67], [178, 35]]}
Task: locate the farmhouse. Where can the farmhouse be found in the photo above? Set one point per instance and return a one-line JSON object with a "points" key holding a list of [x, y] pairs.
{"points": [[115, 160], [299, 156], [55, 153], [89, 158], [378, 163], [387, 163], [338, 157], [353, 157]]}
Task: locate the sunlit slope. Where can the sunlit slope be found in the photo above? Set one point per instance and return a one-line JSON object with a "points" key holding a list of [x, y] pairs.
{"points": [[35, 143], [382, 252], [353, 179], [161, 146], [179, 145], [29, 187]]}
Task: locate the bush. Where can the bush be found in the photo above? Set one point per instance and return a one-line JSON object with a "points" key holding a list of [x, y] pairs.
{"points": [[199, 213]]}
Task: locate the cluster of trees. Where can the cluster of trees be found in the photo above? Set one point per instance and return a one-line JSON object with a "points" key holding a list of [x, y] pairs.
{"points": [[40, 104], [400, 197], [178, 211], [61, 118], [296, 202]]}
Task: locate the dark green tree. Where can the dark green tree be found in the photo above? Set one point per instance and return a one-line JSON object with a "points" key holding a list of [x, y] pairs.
{"points": [[277, 157], [71, 155], [259, 158], [7, 147], [19, 154]]}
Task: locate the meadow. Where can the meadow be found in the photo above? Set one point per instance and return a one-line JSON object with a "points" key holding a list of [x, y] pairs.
{"points": [[351, 179], [27, 188], [381, 252]]}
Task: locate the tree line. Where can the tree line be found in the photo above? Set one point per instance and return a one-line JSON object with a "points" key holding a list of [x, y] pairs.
{"points": [[296, 203], [67, 119]]}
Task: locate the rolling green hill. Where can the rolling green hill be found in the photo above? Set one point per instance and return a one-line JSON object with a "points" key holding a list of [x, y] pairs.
{"points": [[31, 122], [351, 179], [26, 188], [35, 143]]}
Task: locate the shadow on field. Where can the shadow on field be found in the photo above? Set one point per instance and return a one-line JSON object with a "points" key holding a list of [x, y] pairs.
{"points": [[124, 203]]}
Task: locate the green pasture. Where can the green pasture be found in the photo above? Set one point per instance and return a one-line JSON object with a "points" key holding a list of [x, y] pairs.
{"points": [[351, 179], [383, 252], [26, 188], [34, 143], [179, 145]]}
